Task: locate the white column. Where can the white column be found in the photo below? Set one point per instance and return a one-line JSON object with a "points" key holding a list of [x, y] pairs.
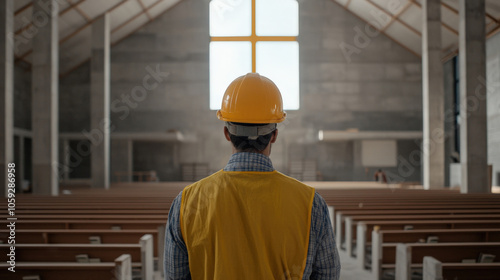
{"points": [[45, 71], [473, 127], [433, 96], [99, 100], [6, 90]]}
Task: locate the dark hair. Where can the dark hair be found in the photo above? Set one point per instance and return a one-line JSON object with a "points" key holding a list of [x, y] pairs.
{"points": [[243, 144]]}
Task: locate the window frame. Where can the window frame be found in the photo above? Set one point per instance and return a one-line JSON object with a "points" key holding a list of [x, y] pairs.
{"points": [[253, 38]]}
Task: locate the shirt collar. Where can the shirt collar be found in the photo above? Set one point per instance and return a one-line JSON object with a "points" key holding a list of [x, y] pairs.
{"points": [[249, 162]]}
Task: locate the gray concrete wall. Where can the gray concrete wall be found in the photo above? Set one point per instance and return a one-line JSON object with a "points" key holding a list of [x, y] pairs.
{"points": [[377, 88], [119, 159], [22, 97], [152, 155], [74, 100], [493, 103]]}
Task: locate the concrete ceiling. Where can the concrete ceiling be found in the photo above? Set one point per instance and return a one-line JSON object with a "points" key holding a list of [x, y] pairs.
{"points": [[402, 21], [75, 20]]}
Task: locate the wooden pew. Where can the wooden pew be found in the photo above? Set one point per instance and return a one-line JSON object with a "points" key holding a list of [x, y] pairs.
{"points": [[86, 224], [340, 228], [120, 269], [380, 237], [94, 217], [352, 221], [81, 236], [383, 255], [37, 212], [410, 256], [371, 199], [141, 254], [126, 208], [404, 207], [436, 270]]}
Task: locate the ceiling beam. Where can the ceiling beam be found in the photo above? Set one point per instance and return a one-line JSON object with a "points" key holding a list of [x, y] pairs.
{"points": [[144, 11], [449, 28], [74, 33], [493, 32], [82, 13], [91, 21], [383, 32], [144, 8], [457, 12], [446, 26], [450, 55], [125, 37], [396, 16], [396, 19], [121, 39], [455, 51], [26, 27], [23, 8]]}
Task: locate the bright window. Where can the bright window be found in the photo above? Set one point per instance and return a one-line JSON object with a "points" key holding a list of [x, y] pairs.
{"points": [[254, 36]]}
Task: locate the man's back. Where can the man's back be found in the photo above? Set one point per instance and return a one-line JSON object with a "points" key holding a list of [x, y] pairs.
{"points": [[246, 223]]}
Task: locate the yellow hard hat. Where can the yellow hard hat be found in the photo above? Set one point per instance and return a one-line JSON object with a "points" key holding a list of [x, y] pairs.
{"points": [[252, 98]]}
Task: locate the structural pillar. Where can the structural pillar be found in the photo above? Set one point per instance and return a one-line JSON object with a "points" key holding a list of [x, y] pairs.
{"points": [[99, 100], [6, 91], [20, 167], [473, 127], [130, 160], [45, 71], [433, 96]]}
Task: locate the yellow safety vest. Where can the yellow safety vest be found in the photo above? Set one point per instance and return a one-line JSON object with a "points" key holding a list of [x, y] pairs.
{"points": [[246, 225]]}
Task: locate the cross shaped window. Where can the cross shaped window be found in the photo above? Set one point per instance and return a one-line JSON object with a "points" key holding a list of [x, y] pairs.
{"points": [[254, 36]]}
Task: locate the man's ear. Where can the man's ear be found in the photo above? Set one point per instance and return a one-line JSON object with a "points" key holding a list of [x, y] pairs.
{"points": [[274, 137], [226, 134]]}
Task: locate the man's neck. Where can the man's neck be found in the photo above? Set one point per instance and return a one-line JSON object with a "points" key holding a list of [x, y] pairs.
{"points": [[266, 151]]}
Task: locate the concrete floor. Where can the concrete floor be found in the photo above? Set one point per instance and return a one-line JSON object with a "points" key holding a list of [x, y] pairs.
{"points": [[350, 270]]}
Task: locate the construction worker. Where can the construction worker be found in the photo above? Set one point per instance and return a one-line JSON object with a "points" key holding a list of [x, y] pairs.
{"points": [[249, 221]]}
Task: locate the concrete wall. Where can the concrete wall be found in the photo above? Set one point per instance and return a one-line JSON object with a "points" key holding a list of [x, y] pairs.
{"points": [[74, 100], [379, 89], [376, 88], [151, 155], [22, 97], [493, 102], [119, 159]]}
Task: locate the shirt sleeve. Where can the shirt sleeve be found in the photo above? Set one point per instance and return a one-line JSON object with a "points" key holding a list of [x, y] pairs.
{"points": [[176, 255], [326, 264]]}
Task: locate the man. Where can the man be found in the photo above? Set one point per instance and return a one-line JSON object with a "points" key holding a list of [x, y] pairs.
{"points": [[249, 221], [380, 177]]}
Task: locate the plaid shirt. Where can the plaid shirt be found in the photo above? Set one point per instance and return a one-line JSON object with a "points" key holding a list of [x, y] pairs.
{"points": [[322, 257]]}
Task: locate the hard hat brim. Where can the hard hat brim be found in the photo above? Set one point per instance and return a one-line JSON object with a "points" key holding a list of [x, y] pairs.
{"points": [[220, 116]]}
